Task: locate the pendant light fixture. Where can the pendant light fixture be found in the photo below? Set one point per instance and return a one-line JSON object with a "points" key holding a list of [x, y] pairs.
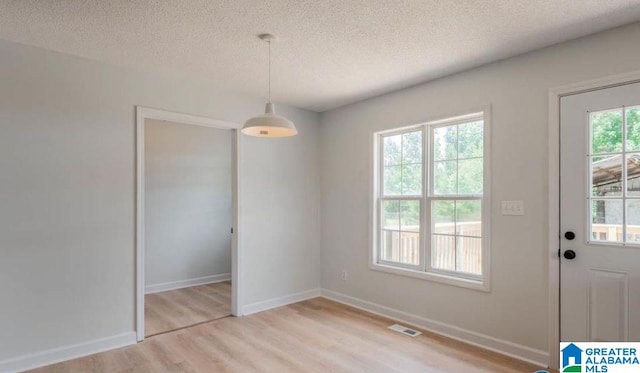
{"points": [[269, 124]]}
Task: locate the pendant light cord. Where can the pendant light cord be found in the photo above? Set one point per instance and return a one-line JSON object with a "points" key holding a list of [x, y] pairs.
{"points": [[269, 41]]}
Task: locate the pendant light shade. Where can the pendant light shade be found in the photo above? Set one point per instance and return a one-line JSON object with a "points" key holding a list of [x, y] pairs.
{"points": [[269, 124]]}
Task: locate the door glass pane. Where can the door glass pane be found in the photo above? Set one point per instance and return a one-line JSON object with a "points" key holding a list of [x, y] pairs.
{"points": [[606, 220], [469, 255], [445, 141], [606, 175], [392, 149], [469, 218], [443, 252], [443, 217], [470, 140], [633, 221], [392, 181], [412, 180], [444, 175], [470, 176], [606, 131], [412, 147], [633, 128], [633, 174]]}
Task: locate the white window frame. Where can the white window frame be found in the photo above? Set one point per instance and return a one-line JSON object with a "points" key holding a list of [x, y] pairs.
{"points": [[424, 270]]}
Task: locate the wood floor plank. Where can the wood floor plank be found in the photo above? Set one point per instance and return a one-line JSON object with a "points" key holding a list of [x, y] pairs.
{"points": [[317, 335], [176, 309]]}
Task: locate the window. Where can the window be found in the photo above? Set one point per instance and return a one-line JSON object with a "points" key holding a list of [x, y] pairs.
{"points": [[430, 202], [614, 179]]}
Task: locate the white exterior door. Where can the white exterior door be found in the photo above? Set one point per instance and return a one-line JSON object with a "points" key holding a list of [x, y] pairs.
{"points": [[600, 215]]}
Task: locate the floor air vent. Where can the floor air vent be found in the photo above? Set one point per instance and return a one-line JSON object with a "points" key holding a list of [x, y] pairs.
{"points": [[404, 330]]}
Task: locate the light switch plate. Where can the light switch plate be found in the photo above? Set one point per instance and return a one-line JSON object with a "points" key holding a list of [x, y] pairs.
{"points": [[512, 207]]}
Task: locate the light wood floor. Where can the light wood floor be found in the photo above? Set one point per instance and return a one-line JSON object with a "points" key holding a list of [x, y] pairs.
{"points": [[175, 309], [312, 336]]}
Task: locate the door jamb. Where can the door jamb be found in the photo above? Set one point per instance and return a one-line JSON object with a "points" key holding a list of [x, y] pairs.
{"points": [[555, 94], [143, 113]]}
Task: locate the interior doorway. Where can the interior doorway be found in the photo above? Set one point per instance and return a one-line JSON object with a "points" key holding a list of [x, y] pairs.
{"points": [[186, 221], [600, 215]]}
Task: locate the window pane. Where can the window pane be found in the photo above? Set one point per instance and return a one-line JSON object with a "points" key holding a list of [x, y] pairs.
{"points": [[633, 128], [633, 221], [443, 252], [412, 180], [606, 175], [633, 174], [410, 216], [409, 248], [444, 175], [469, 255], [412, 147], [443, 217], [400, 236], [390, 215], [470, 140], [392, 181], [445, 143], [606, 131], [469, 218], [400, 247], [606, 218], [470, 176], [392, 150], [390, 245], [390, 235]]}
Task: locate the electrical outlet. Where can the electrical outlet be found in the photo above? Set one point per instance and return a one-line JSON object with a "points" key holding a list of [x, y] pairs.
{"points": [[512, 207], [345, 275]]}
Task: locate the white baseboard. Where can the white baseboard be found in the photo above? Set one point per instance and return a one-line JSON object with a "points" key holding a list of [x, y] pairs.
{"points": [[534, 356], [56, 355], [173, 285], [280, 301], [501, 346]]}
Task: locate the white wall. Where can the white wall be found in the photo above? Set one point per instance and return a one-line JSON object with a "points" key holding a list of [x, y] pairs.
{"points": [[67, 193], [188, 201], [517, 89]]}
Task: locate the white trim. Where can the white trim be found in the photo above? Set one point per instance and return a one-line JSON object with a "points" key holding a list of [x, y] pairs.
{"points": [[143, 113], [181, 118], [236, 247], [56, 355], [434, 276], [280, 301], [501, 346], [554, 195], [181, 284], [424, 271]]}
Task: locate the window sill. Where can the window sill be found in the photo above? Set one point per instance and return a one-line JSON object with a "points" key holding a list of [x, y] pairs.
{"points": [[481, 285]]}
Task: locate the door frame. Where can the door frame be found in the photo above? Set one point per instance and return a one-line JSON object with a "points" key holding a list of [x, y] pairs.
{"points": [[555, 94], [143, 113]]}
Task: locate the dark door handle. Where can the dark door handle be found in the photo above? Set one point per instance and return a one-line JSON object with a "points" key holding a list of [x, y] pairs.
{"points": [[569, 254], [569, 235]]}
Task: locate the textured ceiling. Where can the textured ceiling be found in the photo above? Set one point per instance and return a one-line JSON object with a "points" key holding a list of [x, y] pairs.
{"points": [[328, 53]]}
